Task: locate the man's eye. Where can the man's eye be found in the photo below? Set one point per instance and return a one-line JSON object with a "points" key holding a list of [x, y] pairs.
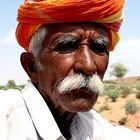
{"points": [[98, 48], [66, 47]]}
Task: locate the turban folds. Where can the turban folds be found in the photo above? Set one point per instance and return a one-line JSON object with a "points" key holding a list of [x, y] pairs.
{"points": [[32, 14]]}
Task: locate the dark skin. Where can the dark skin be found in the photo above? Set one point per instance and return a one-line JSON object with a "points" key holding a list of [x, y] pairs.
{"points": [[68, 49]]}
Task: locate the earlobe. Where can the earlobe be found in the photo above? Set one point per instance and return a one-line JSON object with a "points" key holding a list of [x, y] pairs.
{"points": [[28, 63]]}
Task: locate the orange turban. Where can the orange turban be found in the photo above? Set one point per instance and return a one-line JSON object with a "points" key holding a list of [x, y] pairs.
{"points": [[33, 13]]}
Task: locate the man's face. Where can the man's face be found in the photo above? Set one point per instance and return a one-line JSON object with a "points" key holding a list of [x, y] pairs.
{"points": [[67, 50]]}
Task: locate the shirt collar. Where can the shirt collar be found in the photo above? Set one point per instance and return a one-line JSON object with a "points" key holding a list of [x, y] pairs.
{"points": [[82, 126], [40, 114]]}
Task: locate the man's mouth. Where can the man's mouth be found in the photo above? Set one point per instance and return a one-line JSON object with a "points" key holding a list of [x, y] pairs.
{"points": [[79, 93]]}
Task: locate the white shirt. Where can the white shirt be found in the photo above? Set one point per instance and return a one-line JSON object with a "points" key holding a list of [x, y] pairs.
{"points": [[25, 116]]}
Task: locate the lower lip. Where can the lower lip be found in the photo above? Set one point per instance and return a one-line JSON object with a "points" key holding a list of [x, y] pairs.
{"points": [[79, 93]]}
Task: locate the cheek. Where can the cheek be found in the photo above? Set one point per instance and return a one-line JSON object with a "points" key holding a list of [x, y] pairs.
{"points": [[101, 63], [56, 68], [57, 65], [61, 65]]}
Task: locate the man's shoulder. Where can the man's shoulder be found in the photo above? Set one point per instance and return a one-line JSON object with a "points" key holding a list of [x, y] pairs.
{"points": [[95, 120], [12, 94], [10, 98]]}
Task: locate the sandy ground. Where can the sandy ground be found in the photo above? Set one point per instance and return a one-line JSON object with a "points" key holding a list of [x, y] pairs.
{"points": [[117, 111]]}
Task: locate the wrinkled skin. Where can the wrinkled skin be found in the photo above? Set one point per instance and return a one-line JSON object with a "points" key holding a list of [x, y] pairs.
{"points": [[79, 55]]}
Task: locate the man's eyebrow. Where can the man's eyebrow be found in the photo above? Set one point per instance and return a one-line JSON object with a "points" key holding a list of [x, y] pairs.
{"points": [[66, 38], [101, 41]]}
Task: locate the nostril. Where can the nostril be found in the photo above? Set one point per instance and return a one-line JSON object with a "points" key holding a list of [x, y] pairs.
{"points": [[83, 73]]}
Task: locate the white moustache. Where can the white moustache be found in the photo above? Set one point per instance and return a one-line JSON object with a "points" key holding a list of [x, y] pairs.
{"points": [[92, 83]]}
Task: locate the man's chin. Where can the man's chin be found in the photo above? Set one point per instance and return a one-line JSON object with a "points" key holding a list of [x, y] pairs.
{"points": [[77, 109], [79, 105]]}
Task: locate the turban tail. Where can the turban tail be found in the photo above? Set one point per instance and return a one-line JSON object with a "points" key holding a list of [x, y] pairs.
{"points": [[32, 14]]}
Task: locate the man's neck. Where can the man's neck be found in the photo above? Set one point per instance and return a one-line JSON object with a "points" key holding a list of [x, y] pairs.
{"points": [[63, 120]]}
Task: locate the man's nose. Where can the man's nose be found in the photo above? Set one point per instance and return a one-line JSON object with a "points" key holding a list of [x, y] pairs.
{"points": [[84, 61]]}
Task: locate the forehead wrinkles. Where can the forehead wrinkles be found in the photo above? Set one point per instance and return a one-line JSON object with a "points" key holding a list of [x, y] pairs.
{"points": [[79, 31]]}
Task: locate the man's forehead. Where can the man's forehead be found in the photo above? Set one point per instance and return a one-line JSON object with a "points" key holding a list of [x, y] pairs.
{"points": [[71, 27], [75, 31]]}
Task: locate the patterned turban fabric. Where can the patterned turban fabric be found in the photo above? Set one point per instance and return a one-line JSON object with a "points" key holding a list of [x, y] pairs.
{"points": [[33, 13]]}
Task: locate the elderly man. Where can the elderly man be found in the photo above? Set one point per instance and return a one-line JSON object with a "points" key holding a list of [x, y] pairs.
{"points": [[67, 44]]}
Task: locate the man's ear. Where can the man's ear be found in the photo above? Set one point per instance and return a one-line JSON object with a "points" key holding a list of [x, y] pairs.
{"points": [[28, 63]]}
